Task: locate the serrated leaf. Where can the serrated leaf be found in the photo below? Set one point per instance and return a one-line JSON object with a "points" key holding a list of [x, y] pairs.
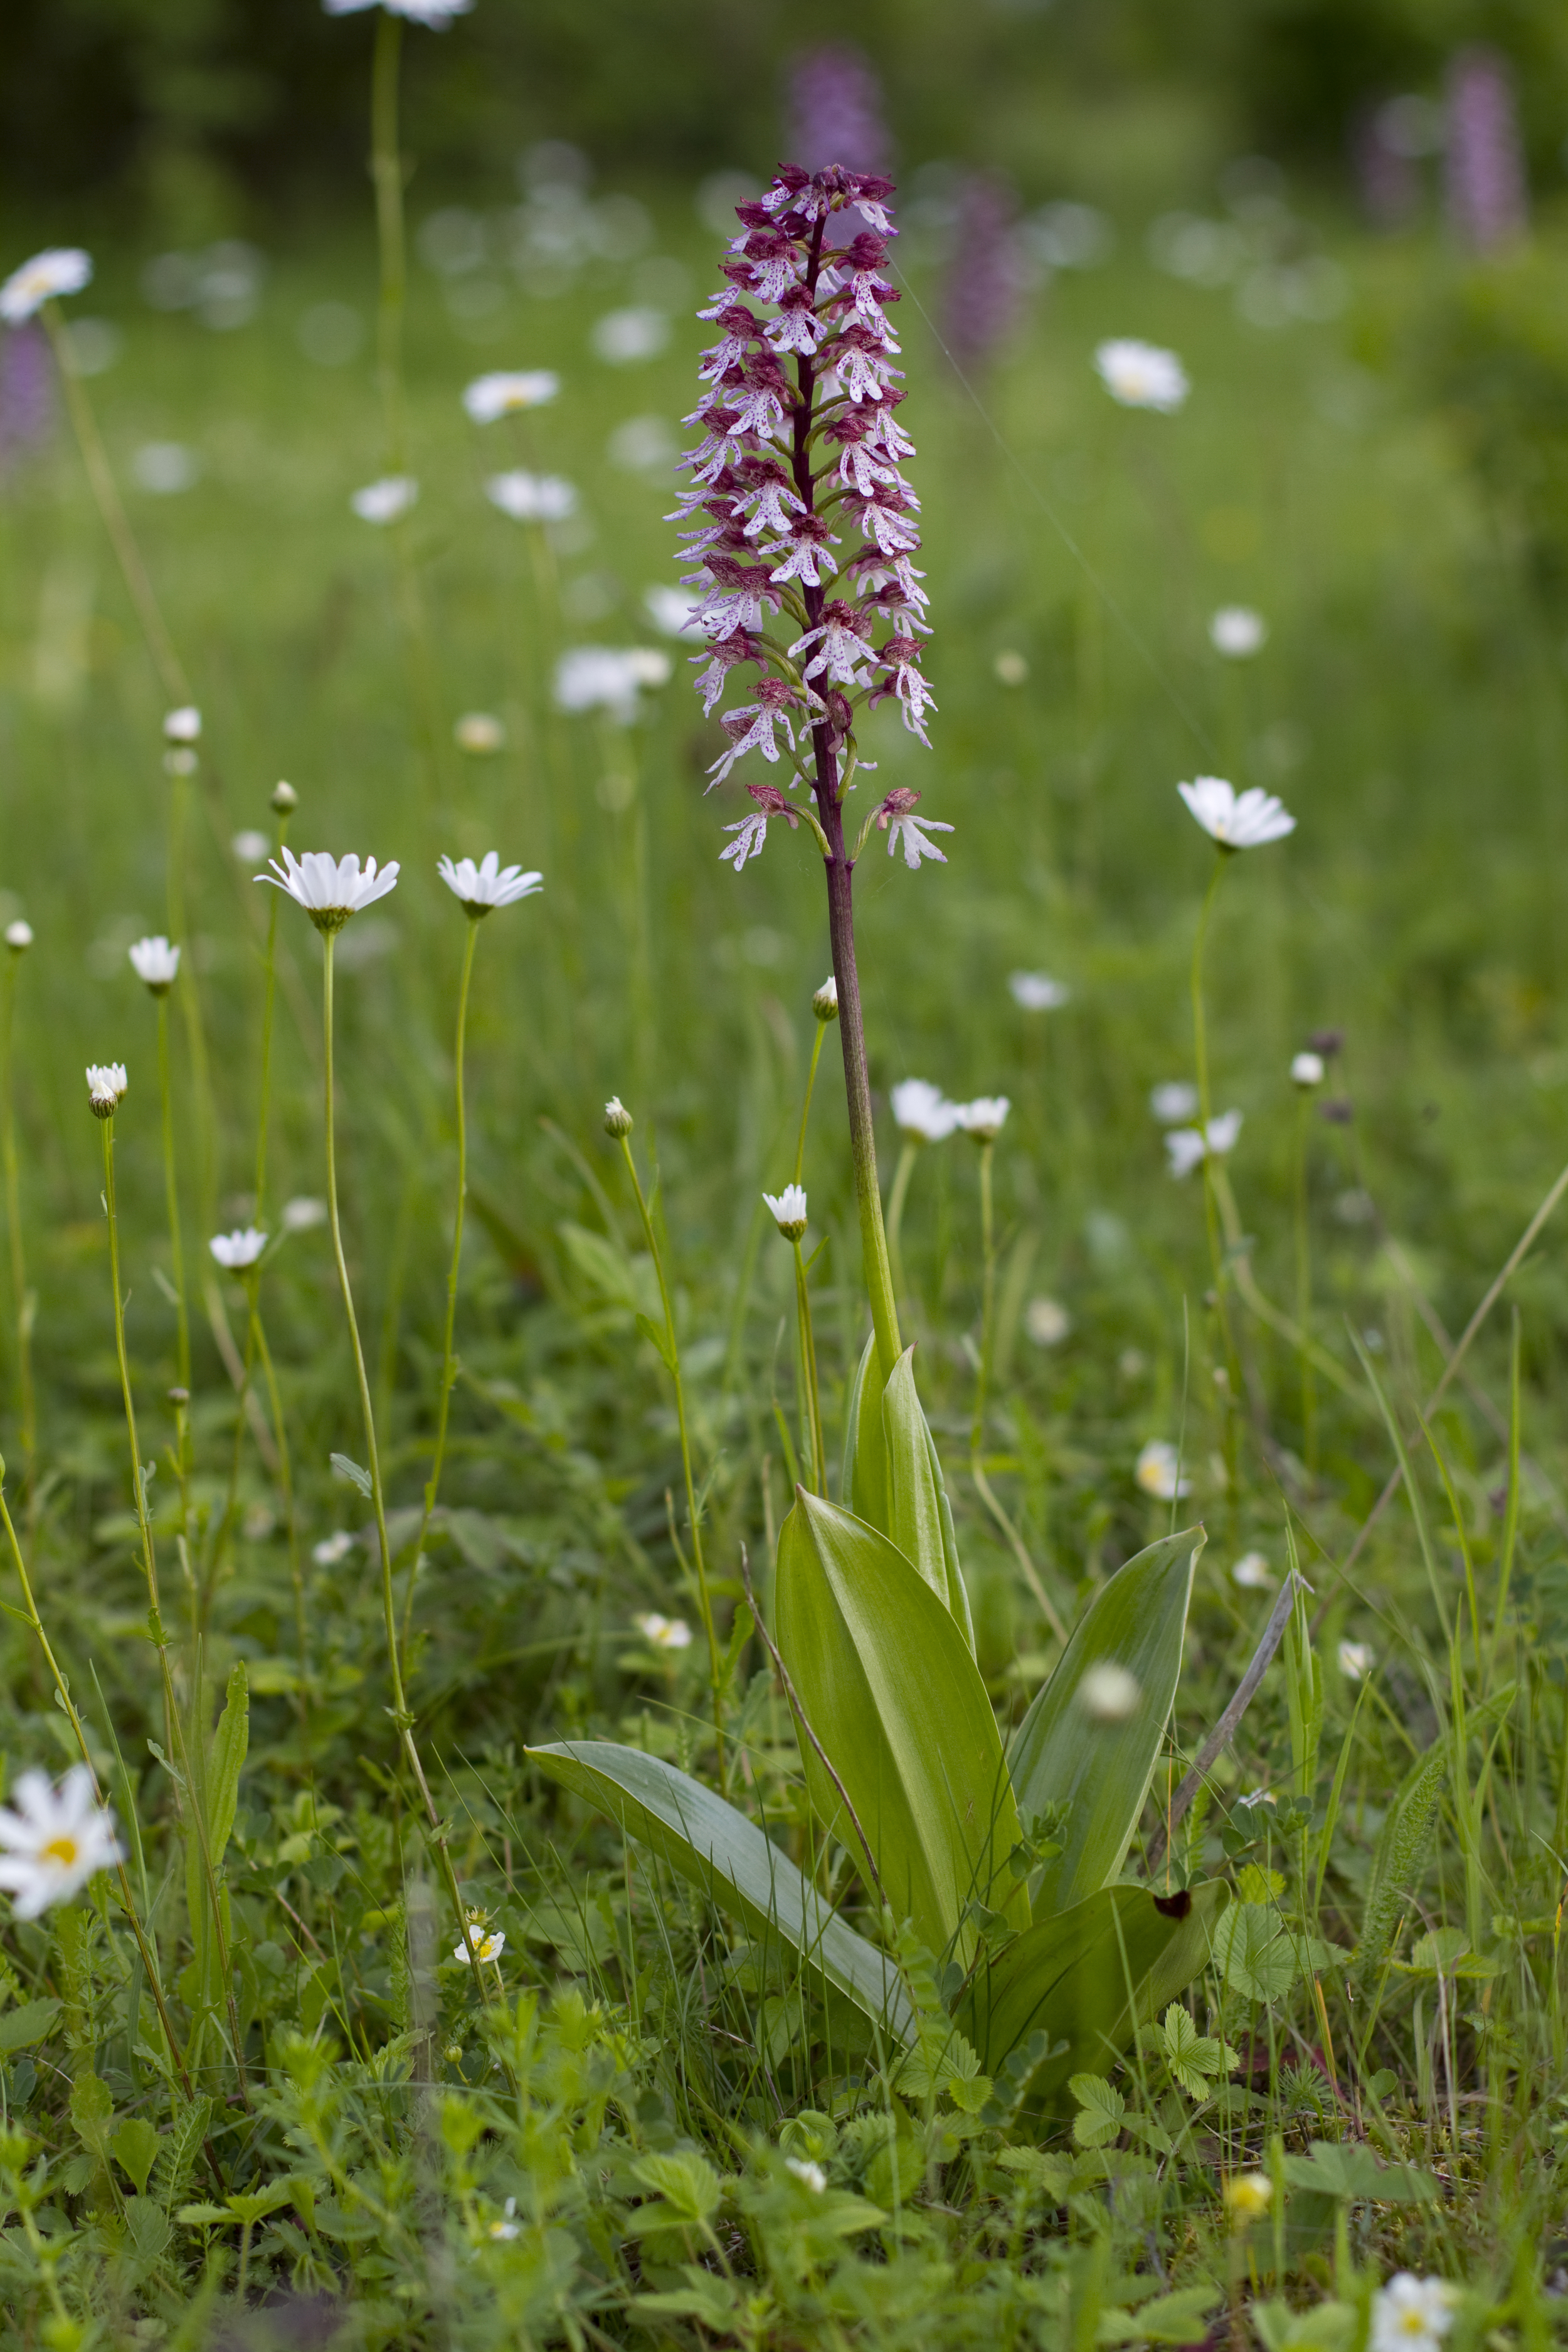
{"points": [[204, 2217], [356, 1476], [1345, 2169], [888, 1684], [1100, 2110], [1255, 1954], [1103, 1769], [1179, 2319], [715, 1846], [24, 2027]]}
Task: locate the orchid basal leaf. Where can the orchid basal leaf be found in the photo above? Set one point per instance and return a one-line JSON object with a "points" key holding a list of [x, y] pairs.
{"points": [[920, 1518], [864, 1489], [1101, 1759], [1087, 1979], [739, 1868], [885, 1682]]}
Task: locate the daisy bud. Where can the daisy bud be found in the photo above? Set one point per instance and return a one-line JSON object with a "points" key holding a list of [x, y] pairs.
{"points": [[789, 1210], [106, 1083], [825, 1003], [284, 798], [18, 937], [617, 1117]]}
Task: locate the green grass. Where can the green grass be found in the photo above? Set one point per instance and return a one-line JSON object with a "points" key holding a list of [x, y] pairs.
{"points": [[1409, 709]]}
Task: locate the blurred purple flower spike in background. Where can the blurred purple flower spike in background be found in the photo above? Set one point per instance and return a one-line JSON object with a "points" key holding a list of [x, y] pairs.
{"points": [[1488, 206]]}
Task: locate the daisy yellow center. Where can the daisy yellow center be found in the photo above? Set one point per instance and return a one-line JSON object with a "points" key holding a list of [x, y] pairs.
{"points": [[63, 1850], [1414, 2323]]}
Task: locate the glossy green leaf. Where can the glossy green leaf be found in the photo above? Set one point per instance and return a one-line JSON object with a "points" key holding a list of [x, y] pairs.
{"points": [[1102, 1768], [888, 1684], [864, 1488], [709, 1842], [920, 1518], [1086, 1979]]}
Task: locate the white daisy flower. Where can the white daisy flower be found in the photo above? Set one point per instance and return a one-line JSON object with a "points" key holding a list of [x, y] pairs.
{"points": [[1253, 1573], [106, 1083], [1108, 1693], [18, 935], [437, 13], [922, 1111], [384, 502], [155, 963], [1238, 631], [239, 1249], [58, 269], [1411, 2314], [333, 1548], [1354, 1660], [811, 2174], [789, 1210], [1037, 992], [329, 888], [663, 1632], [509, 2226], [478, 733], [503, 394], [182, 726], [673, 610], [1141, 375], [1307, 1070], [55, 1839], [249, 845], [1237, 820], [1189, 1147], [1047, 1321], [487, 885], [984, 1118], [1158, 1471], [300, 1214], [532, 498], [1173, 1101], [599, 677]]}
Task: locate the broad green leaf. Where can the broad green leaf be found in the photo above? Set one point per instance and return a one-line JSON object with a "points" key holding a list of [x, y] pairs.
{"points": [[25, 2028], [887, 1682], [733, 1862], [1179, 2319], [134, 2144], [1103, 1768], [1100, 2110], [1255, 1952], [864, 1489], [919, 1518], [1086, 1979], [1336, 2169]]}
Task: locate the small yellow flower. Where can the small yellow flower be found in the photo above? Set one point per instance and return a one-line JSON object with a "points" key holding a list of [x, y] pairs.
{"points": [[1248, 2196]]}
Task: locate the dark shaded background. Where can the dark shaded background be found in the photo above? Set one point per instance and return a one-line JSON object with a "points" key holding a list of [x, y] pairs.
{"points": [[184, 116]]}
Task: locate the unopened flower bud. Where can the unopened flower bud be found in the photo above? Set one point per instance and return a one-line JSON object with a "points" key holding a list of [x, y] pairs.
{"points": [[179, 1396], [18, 937], [284, 798], [825, 1003], [617, 1117], [106, 1083]]}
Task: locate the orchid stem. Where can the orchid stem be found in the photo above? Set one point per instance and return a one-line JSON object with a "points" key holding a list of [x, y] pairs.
{"points": [[23, 1299]]}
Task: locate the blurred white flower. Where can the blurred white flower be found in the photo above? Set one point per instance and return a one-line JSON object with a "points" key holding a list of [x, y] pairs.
{"points": [[58, 269], [55, 1839], [18, 935], [643, 445], [1108, 1693], [623, 336], [1238, 631], [1307, 1070], [165, 467], [1037, 992], [239, 1249], [1237, 820], [1173, 1101], [789, 1210], [1047, 1321], [480, 1943], [1253, 1573], [663, 1632], [331, 889], [812, 2174], [1355, 1659], [1187, 1148], [155, 963], [1247, 2197], [478, 733], [502, 395], [1159, 1472], [106, 1083], [597, 678], [332, 1548], [300, 1214], [180, 760], [1011, 668], [1141, 375], [509, 2226], [673, 610], [250, 845], [922, 1111], [386, 500], [984, 1118], [532, 498], [437, 13], [1411, 2314], [182, 726], [488, 883]]}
